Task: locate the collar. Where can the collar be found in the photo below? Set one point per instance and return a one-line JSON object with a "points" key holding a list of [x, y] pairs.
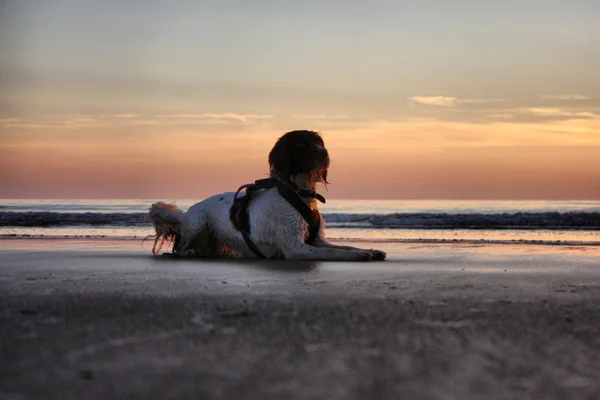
{"points": [[299, 191], [309, 193]]}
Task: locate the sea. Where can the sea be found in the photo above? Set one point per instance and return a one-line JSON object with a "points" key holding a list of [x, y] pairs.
{"points": [[542, 222]]}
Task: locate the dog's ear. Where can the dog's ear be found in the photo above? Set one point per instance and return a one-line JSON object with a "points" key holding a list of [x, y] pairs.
{"points": [[324, 177], [280, 157]]}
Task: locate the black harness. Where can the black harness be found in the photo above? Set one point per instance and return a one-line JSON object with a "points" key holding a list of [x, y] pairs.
{"points": [[239, 210]]}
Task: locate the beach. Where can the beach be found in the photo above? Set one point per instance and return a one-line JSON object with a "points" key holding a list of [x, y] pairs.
{"points": [[104, 318], [460, 138]]}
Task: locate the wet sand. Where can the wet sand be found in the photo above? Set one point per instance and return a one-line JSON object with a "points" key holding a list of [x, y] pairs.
{"points": [[102, 319]]}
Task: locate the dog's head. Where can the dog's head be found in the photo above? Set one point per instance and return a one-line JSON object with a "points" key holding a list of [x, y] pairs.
{"points": [[300, 152]]}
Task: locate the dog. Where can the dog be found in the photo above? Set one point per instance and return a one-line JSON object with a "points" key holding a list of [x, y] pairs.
{"points": [[275, 218]]}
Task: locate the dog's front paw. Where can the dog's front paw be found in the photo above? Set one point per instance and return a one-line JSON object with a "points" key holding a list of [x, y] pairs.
{"points": [[371, 255], [361, 255], [189, 253], [378, 255]]}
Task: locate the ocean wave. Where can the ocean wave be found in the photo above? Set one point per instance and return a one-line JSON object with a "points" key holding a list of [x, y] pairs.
{"points": [[52, 219], [519, 220]]}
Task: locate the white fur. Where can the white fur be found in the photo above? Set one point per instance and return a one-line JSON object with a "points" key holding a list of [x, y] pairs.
{"points": [[275, 226]]}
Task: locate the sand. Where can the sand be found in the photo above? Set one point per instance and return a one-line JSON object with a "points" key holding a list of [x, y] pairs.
{"points": [[102, 319]]}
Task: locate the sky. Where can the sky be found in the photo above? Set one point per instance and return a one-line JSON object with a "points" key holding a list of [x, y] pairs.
{"points": [[414, 99]]}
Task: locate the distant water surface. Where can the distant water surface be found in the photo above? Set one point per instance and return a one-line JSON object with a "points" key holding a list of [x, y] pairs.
{"points": [[332, 206], [370, 220]]}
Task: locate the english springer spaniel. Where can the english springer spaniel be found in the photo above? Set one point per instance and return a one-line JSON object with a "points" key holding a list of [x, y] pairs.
{"points": [[274, 218]]}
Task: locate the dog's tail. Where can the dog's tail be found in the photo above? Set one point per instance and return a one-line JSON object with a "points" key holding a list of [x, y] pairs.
{"points": [[167, 220]]}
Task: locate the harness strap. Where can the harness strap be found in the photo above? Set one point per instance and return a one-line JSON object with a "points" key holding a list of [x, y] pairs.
{"points": [[251, 245], [312, 217], [239, 210]]}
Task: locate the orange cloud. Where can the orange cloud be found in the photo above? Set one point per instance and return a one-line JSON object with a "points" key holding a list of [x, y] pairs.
{"points": [[402, 158]]}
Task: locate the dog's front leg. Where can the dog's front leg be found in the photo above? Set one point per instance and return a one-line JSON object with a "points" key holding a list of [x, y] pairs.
{"points": [[377, 254], [302, 251]]}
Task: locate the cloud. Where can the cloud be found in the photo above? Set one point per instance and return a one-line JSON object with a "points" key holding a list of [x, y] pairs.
{"points": [[481, 101], [85, 119], [440, 101], [557, 113], [500, 115], [321, 117], [443, 101], [27, 126], [57, 122], [564, 97], [122, 115], [225, 116], [309, 116], [142, 122], [490, 110]]}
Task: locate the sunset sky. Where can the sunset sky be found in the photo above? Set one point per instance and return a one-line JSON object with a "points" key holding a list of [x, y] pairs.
{"points": [[415, 99]]}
